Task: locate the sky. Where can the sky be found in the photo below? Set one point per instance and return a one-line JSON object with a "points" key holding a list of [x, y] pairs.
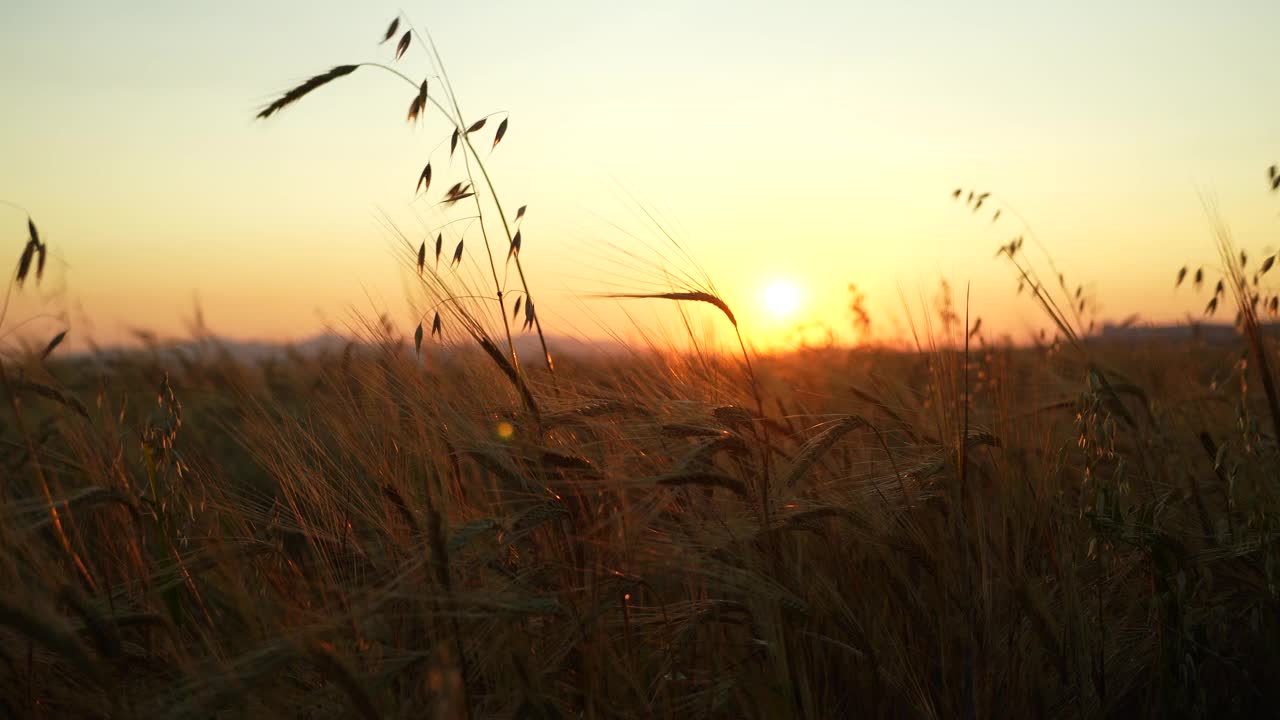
{"points": [[807, 144]]}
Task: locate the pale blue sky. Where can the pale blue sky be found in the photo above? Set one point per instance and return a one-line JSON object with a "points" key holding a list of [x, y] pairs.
{"points": [[816, 141]]}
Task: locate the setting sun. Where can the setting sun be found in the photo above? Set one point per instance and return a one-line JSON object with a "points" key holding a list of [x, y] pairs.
{"points": [[780, 299]]}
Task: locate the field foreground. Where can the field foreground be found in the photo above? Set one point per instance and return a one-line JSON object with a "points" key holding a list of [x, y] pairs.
{"points": [[1050, 531]]}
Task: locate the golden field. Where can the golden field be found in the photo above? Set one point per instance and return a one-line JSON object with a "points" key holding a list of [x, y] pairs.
{"points": [[450, 518]]}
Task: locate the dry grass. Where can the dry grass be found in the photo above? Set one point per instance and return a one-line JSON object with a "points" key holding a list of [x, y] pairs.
{"points": [[370, 534]]}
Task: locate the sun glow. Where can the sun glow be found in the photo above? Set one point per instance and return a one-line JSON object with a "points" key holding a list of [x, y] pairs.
{"points": [[780, 299]]}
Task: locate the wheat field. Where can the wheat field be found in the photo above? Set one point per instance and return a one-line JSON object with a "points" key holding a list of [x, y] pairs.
{"points": [[435, 520]]}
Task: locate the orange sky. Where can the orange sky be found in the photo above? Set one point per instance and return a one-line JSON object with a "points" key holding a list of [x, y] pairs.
{"points": [[812, 143]]}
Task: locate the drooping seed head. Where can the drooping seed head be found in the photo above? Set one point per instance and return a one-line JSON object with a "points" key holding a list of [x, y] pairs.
{"points": [[502, 131], [24, 263], [419, 103], [57, 340], [528, 314], [424, 180], [302, 90], [515, 246], [391, 30]]}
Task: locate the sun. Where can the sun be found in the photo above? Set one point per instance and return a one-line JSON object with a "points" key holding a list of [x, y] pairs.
{"points": [[780, 298]]}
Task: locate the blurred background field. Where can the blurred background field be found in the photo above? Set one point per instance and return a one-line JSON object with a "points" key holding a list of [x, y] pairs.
{"points": [[366, 531], [567, 475]]}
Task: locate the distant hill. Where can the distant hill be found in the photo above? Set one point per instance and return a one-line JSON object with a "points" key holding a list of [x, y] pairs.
{"points": [[1214, 334], [256, 351], [527, 345]]}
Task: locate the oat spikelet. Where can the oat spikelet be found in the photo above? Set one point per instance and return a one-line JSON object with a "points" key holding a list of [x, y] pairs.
{"points": [[403, 45], [302, 90], [459, 191], [502, 131], [24, 263], [419, 103], [391, 30], [457, 254], [55, 342], [422, 256], [515, 247], [475, 126], [439, 246], [424, 180], [528, 314]]}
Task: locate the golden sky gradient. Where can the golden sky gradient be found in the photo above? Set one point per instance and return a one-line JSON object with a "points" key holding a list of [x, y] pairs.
{"points": [[810, 143]]}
